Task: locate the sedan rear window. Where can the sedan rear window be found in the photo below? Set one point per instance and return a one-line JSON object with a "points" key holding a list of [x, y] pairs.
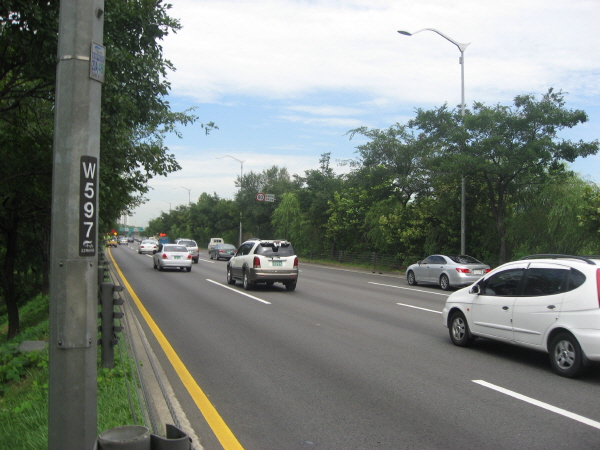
{"points": [[464, 259], [175, 248]]}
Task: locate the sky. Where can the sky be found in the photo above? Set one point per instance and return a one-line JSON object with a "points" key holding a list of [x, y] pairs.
{"points": [[285, 80]]}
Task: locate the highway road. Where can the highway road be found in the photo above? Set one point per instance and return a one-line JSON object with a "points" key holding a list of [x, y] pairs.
{"points": [[349, 360]]}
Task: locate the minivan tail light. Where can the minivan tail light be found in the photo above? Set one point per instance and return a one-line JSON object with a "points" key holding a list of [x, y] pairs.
{"points": [[256, 262]]}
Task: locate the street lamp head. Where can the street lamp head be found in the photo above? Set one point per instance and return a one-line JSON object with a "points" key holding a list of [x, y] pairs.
{"points": [[405, 33]]}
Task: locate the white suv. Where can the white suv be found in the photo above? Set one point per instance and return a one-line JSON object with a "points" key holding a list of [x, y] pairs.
{"points": [[264, 261], [545, 302], [191, 246]]}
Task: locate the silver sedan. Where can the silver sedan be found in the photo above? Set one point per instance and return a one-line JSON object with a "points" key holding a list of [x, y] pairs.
{"points": [[172, 256], [147, 246], [447, 271]]}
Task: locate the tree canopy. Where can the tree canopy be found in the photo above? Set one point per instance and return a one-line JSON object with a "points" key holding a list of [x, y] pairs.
{"points": [[135, 118]]}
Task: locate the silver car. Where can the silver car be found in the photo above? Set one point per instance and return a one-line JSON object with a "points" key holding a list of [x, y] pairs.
{"points": [[447, 271], [147, 246], [225, 251], [172, 256]]}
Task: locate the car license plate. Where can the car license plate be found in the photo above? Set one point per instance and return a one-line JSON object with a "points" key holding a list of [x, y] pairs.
{"points": [[478, 271], [176, 257], [277, 263]]}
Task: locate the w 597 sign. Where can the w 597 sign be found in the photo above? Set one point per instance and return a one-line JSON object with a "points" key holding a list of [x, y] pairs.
{"points": [[88, 194]]}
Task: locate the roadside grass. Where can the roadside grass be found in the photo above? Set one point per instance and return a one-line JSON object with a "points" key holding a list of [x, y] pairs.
{"points": [[24, 385]]}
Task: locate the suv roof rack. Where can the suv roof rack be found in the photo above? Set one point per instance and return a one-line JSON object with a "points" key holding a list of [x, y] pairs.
{"points": [[557, 256]]}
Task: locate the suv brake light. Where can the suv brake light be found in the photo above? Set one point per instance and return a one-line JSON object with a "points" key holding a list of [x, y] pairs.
{"points": [[296, 262], [256, 262]]}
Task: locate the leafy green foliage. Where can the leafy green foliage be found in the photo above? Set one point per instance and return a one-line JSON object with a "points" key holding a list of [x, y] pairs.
{"points": [[135, 118], [504, 148]]}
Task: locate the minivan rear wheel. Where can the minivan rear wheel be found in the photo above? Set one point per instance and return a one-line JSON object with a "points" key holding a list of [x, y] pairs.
{"points": [[566, 356]]}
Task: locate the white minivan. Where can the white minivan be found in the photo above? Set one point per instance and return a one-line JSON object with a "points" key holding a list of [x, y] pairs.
{"points": [[549, 303]]}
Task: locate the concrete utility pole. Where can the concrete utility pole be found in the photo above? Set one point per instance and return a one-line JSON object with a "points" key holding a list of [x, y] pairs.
{"points": [[72, 397]]}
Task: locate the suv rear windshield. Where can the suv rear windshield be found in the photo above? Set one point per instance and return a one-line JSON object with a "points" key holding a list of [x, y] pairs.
{"points": [[271, 248]]}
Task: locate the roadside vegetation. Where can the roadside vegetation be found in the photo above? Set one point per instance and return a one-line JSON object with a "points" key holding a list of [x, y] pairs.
{"points": [[401, 198], [24, 385]]}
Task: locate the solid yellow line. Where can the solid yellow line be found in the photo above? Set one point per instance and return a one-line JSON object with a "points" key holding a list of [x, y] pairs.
{"points": [[216, 423]]}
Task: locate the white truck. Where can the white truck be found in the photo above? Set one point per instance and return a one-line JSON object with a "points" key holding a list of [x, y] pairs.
{"points": [[214, 241]]}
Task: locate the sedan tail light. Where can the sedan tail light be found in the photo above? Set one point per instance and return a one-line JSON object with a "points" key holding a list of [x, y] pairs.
{"points": [[256, 262], [164, 256], [487, 270], [462, 270], [189, 256]]}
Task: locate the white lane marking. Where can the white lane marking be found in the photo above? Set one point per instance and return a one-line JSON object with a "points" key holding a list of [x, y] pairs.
{"points": [[239, 292], [408, 289], [417, 307], [562, 412]]}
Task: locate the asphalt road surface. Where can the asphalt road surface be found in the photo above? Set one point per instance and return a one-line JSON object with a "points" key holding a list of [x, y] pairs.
{"points": [[349, 360]]}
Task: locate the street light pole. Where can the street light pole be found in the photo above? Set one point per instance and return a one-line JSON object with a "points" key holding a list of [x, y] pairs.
{"points": [[462, 47], [189, 194], [241, 178]]}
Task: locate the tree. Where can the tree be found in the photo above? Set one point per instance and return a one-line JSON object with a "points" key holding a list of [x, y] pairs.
{"points": [[288, 220], [547, 218], [315, 190], [504, 148], [392, 163], [28, 39], [135, 118], [589, 215]]}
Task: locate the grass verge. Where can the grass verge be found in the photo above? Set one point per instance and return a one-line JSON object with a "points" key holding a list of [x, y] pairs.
{"points": [[24, 385]]}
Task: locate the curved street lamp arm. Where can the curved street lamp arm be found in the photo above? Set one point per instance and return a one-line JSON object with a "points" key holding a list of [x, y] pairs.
{"points": [[462, 47]]}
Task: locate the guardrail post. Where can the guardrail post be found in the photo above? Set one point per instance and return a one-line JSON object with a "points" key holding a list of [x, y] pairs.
{"points": [[108, 329]]}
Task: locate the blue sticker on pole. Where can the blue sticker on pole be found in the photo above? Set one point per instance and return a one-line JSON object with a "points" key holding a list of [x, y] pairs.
{"points": [[88, 195]]}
